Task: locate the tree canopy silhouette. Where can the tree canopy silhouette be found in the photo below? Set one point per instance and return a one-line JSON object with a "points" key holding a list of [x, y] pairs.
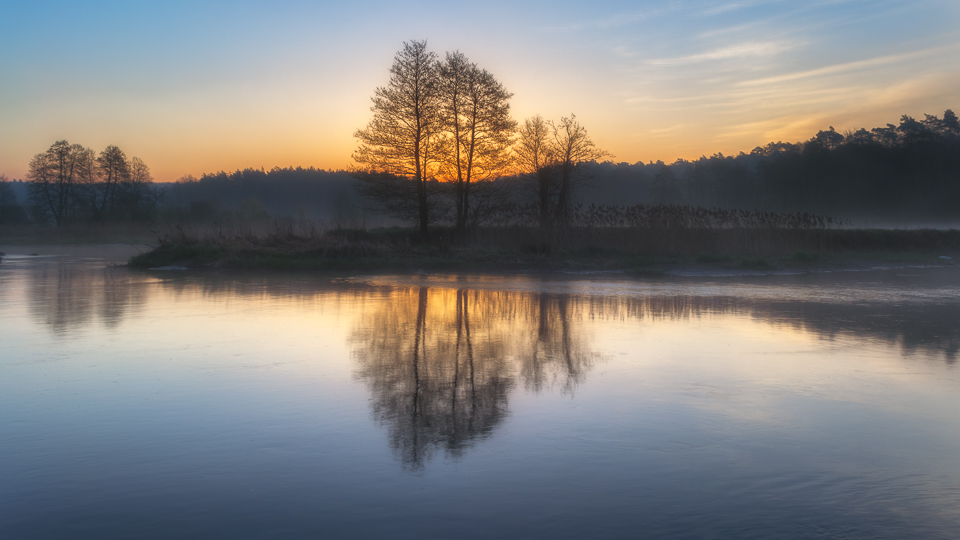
{"points": [[572, 149], [402, 141], [437, 127], [70, 182], [475, 115]]}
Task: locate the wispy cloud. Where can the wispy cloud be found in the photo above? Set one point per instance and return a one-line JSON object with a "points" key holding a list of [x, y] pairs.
{"points": [[738, 50], [849, 67], [670, 129], [735, 29], [615, 21], [735, 6]]}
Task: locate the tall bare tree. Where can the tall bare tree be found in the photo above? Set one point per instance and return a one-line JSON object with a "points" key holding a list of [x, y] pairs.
{"points": [[572, 148], [401, 141], [536, 158], [54, 176], [475, 114], [141, 195], [98, 190], [112, 171]]}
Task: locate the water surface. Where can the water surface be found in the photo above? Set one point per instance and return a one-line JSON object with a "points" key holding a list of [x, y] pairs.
{"points": [[160, 404]]}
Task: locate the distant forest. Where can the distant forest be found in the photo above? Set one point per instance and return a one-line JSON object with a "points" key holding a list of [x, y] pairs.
{"points": [[906, 173]]}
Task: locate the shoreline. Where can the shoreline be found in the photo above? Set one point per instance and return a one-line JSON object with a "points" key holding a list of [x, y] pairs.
{"points": [[510, 251], [473, 261]]}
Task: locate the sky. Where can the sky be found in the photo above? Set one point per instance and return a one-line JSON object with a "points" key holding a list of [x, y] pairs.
{"points": [[198, 87]]}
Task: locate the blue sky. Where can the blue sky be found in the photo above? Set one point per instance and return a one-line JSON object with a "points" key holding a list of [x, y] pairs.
{"points": [[203, 86]]}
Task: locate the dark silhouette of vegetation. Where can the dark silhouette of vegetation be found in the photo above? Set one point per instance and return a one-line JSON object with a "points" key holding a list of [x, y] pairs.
{"points": [[475, 116], [71, 183], [894, 174], [572, 148], [11, 211], [730, 238], [554, 159], [403, 141], [445, 127], [666, 217], [535, 161], [301, 193]]}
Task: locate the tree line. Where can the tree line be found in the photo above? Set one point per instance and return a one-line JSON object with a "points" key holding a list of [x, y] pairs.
{"points": [[72, 183], [441, 137], [909, 171], [11, 211], [303, 192], [441, 148]]}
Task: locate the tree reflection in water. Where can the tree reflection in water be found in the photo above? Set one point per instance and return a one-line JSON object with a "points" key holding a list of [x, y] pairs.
{"points": [[441, 362], [440, 377], [66, 296]]}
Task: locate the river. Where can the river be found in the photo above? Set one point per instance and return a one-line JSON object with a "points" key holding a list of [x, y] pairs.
{"points": [[200, 404]]}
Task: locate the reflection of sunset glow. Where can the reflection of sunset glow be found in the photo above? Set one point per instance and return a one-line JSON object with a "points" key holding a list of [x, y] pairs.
{"points": [[441, 363], [299, 402]]}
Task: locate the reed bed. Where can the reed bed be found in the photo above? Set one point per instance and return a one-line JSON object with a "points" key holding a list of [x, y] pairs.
{"points": [[601, 236], [743, 241], [675, 216], [660, 230], [259, 232]]}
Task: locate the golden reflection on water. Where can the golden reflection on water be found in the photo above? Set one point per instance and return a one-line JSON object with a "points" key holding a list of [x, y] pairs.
{"points": [[442, 357], [805, 398], [69, 295], [440, 362]]}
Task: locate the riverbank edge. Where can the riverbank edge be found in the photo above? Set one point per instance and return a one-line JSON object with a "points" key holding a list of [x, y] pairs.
{"points": [[430, 258]]}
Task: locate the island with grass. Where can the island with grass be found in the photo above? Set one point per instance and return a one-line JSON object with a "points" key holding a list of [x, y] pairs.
{"points": [[639, 240]]}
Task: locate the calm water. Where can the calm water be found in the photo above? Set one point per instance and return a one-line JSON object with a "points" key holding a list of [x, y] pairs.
{"points": [[165, 404]]}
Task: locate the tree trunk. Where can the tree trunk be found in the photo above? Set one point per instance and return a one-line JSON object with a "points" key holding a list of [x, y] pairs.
{"points": [[544, 200], [424, 215], [563, 201]]}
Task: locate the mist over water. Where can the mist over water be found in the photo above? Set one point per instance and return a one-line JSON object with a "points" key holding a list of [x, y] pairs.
{"points": [[162, 404]]}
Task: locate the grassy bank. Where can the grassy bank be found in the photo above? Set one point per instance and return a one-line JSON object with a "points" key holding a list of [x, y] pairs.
{"points": [[503, 249]]}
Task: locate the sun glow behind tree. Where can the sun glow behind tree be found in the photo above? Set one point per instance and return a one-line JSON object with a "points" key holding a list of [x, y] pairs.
{"points": [[445, 128]]}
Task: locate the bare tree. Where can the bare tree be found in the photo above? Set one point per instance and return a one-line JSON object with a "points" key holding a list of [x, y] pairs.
{"points": [[141, 195], [535, 157], [572, 148], [475, 115], [98, 190], [402, 139], [113, 171], [54, 176]]}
